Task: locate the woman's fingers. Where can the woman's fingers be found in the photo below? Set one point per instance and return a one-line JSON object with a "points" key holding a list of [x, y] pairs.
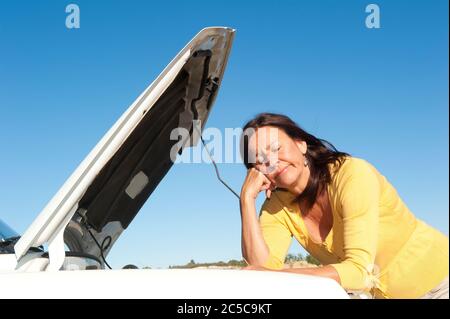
{"points": [[267, 185], [255, 183]]}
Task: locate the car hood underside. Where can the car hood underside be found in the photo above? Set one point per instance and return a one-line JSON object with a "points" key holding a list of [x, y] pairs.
{"points": [[102, 197]]}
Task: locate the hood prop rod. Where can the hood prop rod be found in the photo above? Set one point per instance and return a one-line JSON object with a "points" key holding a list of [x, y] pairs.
{"points": [[215, 165]]}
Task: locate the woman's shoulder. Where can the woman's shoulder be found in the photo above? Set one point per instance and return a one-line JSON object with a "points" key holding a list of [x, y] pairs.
{"points": [[352, 175], [350, 167], [278, 202]]}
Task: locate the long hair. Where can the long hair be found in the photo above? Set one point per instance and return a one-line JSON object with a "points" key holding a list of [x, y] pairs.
{"points": [[319, 153]]}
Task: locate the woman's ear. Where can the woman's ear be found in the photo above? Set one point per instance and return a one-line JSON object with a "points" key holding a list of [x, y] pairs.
{"points": [[302, 146]]}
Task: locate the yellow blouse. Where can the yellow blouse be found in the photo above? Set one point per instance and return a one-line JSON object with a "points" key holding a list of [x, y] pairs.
{"points": [[376, 244]]}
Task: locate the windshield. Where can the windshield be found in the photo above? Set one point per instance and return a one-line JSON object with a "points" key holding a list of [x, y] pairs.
{"points": [[6, 232]]}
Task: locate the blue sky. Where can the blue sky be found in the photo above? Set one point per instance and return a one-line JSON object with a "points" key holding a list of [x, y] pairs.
{"points": [[379, 94]]}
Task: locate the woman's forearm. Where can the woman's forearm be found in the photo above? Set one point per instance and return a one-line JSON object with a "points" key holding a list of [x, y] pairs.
{"points": [[254, 248], [324, 271]]}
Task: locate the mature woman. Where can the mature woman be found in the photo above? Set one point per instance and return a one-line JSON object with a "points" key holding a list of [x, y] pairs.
{"points": [[340, 209]]}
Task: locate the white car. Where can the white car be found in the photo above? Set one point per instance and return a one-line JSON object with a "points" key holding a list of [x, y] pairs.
{"points": [[81, 223]]}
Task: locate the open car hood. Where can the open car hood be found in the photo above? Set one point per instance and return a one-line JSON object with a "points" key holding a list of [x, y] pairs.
{"points": [[107, 190]]}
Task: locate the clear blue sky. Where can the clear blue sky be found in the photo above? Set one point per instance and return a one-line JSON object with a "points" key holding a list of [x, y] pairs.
{"points": [[379, 94]]}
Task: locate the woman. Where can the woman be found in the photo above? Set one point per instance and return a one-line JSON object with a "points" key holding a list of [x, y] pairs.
{"points": [[340, 209]]}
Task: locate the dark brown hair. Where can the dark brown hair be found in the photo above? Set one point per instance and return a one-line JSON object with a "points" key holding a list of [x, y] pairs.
{"points": [[319, 153]]}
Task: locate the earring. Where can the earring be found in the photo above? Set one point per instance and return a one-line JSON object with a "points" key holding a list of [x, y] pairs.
{"points": [[306, 162]]}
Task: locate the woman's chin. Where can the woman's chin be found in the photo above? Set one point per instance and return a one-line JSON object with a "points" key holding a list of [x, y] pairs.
{"points": [[286, 181]]}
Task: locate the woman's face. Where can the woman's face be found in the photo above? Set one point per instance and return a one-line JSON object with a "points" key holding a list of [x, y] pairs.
{"points": [[280, 158]]}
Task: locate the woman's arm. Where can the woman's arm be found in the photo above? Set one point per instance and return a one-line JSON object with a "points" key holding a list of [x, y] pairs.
{"points": [[324, 271], [254, 248]]}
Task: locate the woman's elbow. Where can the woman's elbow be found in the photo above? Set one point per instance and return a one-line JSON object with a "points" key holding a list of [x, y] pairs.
{"points": [[353, 276]]}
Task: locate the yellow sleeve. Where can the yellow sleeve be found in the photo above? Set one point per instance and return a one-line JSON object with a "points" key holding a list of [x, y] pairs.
{"points": [[277, 237], [359, 193]]}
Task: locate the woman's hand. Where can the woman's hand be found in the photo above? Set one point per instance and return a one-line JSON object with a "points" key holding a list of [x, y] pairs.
{"points": [[251, 267], [254, 183]]}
